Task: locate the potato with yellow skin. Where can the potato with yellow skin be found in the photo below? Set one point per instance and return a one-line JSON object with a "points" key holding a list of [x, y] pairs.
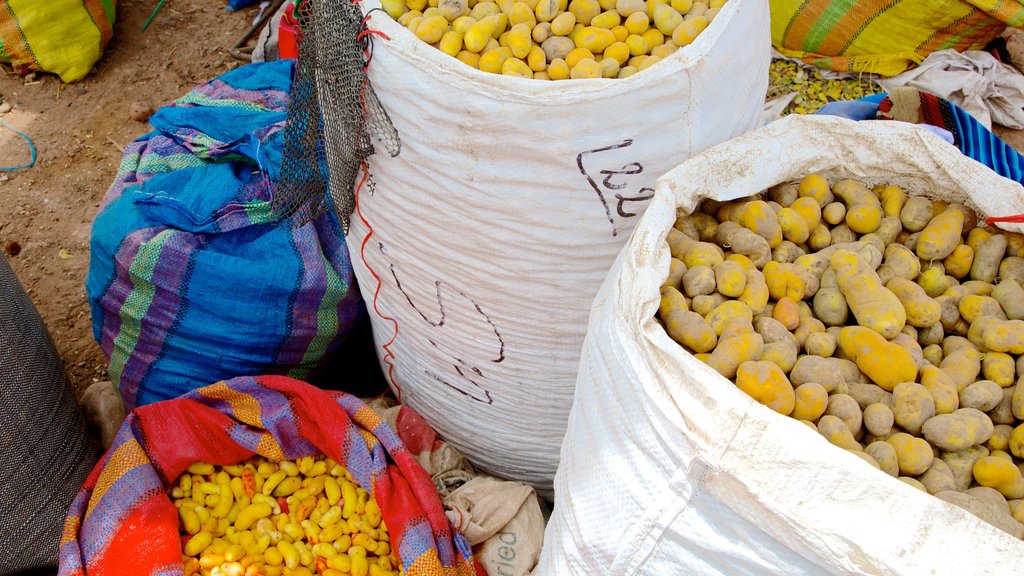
{"points": [[820, 344], [913, 455], [912, 406], [960, 430], [878, 419], [892, 198], [885, 363], [809, 210], [872, 304], [726, 311], [787, 313], [844, 407], [998, 473], [973, 307], [811, 400], [794, 226], [676, 269], [977, 236], [1004, 336], [1010, 296], [671, 299], [958, 263], [815, 186], [767, 383], [885, 455], [921, 311], [999, 367], [962, 366], [916, 213], [759, 217], [1012, 268], [987, 257], [942, 234], [833, 213], [731, 353], [745, 242], [835, 431], [730, 278], [690, 330], [703, 254], [942, 389]]}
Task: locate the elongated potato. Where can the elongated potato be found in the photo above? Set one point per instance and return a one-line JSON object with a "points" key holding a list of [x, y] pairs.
{"points": [[921, 311], [871, 303], [942, 234]]}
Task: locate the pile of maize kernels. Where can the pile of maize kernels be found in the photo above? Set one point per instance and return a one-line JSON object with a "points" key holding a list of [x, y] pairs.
{"points": [[556, 39], [287, 518], [813, 90]]}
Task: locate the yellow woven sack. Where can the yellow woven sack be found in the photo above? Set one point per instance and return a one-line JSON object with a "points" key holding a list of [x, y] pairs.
{"points": [[65, 37], [885, 37]]}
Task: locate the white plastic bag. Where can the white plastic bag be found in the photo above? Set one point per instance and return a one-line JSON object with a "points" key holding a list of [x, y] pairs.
{"points": [[668, 468], [489, 235]]}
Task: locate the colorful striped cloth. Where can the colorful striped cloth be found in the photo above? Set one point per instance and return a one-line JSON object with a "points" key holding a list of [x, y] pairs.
{"points": [[885, 36], [66, 37], [193, 277], [122, 521]]}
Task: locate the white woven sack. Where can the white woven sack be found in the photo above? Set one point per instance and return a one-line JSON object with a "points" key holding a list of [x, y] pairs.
{"points": [[668, 468], [494, 228]]}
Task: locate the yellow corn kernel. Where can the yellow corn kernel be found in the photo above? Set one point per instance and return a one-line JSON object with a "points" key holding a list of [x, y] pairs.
{"points": [[585, 10], [251, 514], [638, 45], [563, 24], [272, 481], [360, 566], [558, 69], [210, 560], [342, 563], [198, 543], [190, 520], [288, 553], [201, 468], [607, 20], [519, 40]]}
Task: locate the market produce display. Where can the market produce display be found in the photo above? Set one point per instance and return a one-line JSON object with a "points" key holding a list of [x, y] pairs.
{"points": [[556, 39], [293, 518], [812, 88], [893, 325]]}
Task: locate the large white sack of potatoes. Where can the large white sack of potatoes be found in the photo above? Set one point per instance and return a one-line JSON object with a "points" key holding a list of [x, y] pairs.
{"points": [[669, 468], [492, 230]]}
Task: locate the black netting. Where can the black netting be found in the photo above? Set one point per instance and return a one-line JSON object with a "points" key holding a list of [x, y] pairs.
{"points": [[330, 88], [46, 452]]}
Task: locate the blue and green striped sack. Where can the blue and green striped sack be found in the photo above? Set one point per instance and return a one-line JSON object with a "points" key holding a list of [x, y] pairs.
{"points": [[193, 277]]}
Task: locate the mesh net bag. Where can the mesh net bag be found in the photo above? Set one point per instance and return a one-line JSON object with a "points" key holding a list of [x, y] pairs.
{"points": [[46, 452], [330, 85]]}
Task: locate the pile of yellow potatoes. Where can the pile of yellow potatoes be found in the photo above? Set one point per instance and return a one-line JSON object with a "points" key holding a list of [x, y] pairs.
{"points": [[891, 324], [287, 518], [556, 39]]}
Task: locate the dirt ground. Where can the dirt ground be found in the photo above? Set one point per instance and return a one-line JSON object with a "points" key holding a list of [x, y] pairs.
{"points": [[79, 131]]}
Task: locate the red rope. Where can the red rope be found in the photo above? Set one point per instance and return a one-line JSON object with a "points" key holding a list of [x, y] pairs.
{"points": [[388, 354], [1019, 218]]}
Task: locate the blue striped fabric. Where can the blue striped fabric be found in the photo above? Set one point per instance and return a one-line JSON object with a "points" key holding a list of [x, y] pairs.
{"points": [[193, 278]]}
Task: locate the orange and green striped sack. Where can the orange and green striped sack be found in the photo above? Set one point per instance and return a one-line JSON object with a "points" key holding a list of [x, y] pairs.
{"points": [[65, 37], [885, 37]]}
